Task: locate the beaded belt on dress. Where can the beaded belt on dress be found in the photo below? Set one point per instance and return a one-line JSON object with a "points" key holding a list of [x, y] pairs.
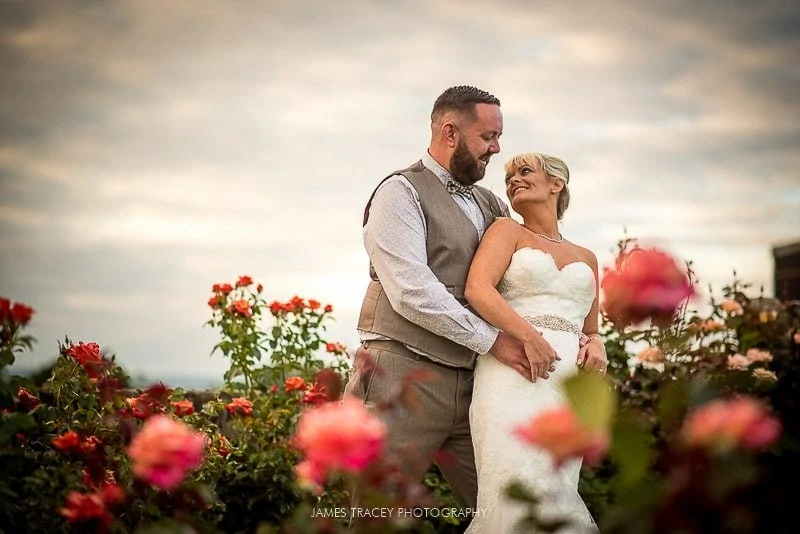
{"points": [[553, 322]]}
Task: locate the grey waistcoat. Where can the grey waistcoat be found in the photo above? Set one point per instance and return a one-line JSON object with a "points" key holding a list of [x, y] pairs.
{"points": [[451, 243]]}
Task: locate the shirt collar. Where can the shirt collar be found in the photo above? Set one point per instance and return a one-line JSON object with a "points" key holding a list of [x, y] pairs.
{"points": [[441, 173]]}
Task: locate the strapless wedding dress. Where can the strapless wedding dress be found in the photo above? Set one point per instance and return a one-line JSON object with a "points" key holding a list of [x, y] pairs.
{"points": [[557, 302]]}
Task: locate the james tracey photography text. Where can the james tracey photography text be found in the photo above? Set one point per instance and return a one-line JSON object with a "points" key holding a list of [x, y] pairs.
{"points": [[395, 513]]}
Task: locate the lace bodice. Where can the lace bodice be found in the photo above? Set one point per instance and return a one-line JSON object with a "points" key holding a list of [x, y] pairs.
{"points": [[534, 286]]}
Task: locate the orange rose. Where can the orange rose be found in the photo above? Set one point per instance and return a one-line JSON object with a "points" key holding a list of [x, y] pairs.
{"points": [[650, 355], [559, 432], [294, 383], [240, 405], [731, 306]]}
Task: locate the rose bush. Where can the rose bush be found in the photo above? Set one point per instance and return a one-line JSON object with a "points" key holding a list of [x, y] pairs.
{"points": [[693, 429]]}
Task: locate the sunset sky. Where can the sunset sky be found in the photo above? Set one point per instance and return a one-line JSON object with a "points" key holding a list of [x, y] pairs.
{"points": [[151, 149]]}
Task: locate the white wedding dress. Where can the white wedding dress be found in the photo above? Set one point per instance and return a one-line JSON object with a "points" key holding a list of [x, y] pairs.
{"points": [[556, 302]]}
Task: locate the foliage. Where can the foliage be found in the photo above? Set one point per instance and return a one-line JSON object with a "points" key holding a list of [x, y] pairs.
{"points": [[66, 457]]}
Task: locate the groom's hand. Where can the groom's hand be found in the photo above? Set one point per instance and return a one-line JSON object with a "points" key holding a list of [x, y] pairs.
{"points": [[510, 351]]}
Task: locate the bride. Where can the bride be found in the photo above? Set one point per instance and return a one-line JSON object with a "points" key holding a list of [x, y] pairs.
{"points": [[529, 281]]}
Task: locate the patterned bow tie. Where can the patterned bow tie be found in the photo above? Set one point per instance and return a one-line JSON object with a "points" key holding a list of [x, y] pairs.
{"points": [[455, 187]]}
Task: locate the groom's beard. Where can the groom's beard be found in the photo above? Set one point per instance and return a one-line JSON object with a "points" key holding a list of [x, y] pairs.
{"points": [[464, 167]]}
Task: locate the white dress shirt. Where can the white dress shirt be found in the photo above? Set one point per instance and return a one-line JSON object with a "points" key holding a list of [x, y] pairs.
{"points": [[395, 241]]}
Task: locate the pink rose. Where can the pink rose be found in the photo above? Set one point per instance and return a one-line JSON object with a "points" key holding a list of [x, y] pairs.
{"points": [[646, 284], [164, 450], [758, 355], [737, 361], [559, 432], [338, 436], [726, 424]]}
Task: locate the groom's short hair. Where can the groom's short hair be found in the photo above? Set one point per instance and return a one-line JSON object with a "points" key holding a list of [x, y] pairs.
{"points": [[462, 100]]}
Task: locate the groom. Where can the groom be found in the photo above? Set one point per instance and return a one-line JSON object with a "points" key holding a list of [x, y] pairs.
{"points": [[421, 228]]}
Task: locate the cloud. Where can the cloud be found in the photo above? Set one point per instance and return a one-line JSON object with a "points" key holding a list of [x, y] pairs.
{"points": [[146, 154]]}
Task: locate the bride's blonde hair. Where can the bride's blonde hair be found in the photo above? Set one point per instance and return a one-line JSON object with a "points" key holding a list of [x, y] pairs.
{"points": [[554, 168]]}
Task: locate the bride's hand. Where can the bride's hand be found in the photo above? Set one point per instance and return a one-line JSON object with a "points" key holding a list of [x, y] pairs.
{"points": [[541, 356], [592, 356]]}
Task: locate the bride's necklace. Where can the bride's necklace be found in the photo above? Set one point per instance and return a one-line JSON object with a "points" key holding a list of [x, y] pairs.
{"points": [[559, 240]]}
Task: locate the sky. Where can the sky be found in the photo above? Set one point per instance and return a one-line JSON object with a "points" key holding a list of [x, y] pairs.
{"points": [[151, 149]]}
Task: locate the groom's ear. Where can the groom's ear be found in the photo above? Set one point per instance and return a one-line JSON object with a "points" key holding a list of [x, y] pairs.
{"points": [[450, 133]]}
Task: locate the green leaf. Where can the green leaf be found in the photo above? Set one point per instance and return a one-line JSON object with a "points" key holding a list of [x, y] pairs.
{"points": [[672, 402], [631, 449], [592, 399]]}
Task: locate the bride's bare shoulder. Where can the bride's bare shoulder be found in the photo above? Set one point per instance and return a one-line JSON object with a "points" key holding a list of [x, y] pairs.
{"points": [[506, 224], [587, 255]]}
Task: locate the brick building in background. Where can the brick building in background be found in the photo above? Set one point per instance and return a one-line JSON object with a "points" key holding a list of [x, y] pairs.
{"points": [[787, 271]]}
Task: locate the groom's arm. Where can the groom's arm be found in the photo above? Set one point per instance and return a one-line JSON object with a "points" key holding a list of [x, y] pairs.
{"points": [[395, 241]]}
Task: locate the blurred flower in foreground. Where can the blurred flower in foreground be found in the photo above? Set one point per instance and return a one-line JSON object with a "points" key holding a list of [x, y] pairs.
{"points": [[164, 450], [338, 436], [723, 425], [559, 432], [646, 284]]}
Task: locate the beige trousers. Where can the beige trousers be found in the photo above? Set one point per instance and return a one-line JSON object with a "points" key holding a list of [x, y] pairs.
{"points": [[440, 425]]}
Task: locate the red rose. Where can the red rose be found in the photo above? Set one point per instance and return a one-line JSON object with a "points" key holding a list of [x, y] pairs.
{"points": [[27, 402], [85, 353], [67, 442], [222, 289], [335, 348], [85, 506], [182, 408], [90, 444], [241, 307], [5, 308], [21, 313]]}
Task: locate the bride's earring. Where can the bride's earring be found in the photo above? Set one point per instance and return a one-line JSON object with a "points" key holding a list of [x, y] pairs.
{"points": [[554, 191]]}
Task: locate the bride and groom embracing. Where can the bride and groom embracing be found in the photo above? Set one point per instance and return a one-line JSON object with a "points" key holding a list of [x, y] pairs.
{"points": [[500, 311]]}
